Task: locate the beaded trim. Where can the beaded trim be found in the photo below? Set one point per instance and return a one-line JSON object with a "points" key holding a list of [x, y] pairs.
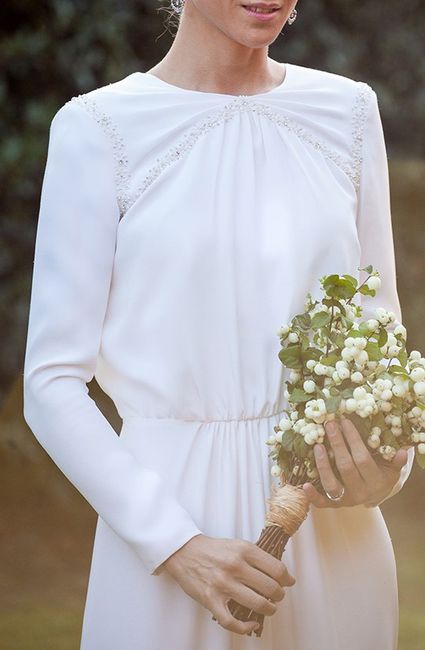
{"points": [[358, 121], [351, 166], [122, 176]]}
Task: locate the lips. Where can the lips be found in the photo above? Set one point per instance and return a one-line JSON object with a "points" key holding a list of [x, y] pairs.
{"points": [[260, 11], [262, 5]]}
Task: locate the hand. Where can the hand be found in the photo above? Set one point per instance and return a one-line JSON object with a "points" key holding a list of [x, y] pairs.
{"points": [[365, 480], [214, 570]]}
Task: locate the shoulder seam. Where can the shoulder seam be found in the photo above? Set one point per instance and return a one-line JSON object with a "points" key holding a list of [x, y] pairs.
{"points": [[120, 160]]}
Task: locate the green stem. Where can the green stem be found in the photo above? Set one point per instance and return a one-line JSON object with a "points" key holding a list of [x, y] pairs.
{"points": [[330, 329], [363, 283]]}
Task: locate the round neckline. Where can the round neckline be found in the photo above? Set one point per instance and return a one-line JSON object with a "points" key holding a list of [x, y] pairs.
{"points": [[166, 84]]}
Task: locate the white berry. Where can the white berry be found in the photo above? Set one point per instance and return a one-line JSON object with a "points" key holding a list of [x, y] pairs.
{"points": [[309, 386]]}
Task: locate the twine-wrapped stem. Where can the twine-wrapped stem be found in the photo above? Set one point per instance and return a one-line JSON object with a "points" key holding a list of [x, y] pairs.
{"points": [[287, 509]]}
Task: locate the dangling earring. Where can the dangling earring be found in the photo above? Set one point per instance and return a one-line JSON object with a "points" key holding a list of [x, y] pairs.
{"points": [[177, 6], [292, 17]]}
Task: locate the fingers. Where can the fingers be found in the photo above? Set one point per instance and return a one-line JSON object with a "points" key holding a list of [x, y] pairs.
{"points": [[364, 478], [390, 474], [317, 499], [253, 578], [262, 583], [345, 462], [229, 622], [268, 564], [366, 466], [251, 599], [399, 460], [329, 481]]}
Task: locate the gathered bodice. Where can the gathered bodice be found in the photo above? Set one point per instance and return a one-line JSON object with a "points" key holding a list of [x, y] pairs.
{"points": [[225, 223]]}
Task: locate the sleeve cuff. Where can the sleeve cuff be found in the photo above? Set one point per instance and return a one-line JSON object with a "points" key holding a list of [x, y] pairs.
{"points": [[154, 562]]}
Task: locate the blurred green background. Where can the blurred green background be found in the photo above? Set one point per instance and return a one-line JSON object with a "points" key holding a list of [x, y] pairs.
{"points": [[52, 50]]}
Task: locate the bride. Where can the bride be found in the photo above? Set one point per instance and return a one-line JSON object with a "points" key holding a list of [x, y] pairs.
{"points": [[185, 213]]}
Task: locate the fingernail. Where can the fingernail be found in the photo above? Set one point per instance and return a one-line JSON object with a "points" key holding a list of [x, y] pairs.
{"points": [[319, 450], [331, 427]]}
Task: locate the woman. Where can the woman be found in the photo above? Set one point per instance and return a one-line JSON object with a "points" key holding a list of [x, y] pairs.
{"points": [[185, 213]]}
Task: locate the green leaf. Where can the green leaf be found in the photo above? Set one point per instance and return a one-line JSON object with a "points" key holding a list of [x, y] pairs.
{"points": [[311, 353], [343, 290], [300, 447], [334, 390], [373, 351], [388, 438], [354, 334], [304, 344], [330, 280], [379, 421], [339, 287], [291, 356], [397, 403], [329, 302], [395, 369], [333, 335], [351, 279], [285, 461], [383, 337], [347, 322], [332, 403], [405, 423], [379, 370], [340, 338], [364, 329], [368, 269], [299, 395], [402, 357], [288, 438], [302, 321], [320, 319], [366, 291], [325, 332], [330, 359]]}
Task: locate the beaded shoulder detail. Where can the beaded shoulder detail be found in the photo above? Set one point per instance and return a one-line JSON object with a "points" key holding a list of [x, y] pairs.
{"points": [[120, 160], [350, 165], [358, 122]]}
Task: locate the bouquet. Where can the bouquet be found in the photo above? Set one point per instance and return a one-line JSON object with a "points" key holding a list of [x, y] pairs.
{"points": [[339, 365]]}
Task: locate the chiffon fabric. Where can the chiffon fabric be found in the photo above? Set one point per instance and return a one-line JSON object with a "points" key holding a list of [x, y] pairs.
{"points": [[178, 229]]}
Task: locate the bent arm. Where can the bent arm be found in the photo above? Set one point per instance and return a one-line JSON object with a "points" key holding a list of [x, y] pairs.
{"points": [[374, 227]]}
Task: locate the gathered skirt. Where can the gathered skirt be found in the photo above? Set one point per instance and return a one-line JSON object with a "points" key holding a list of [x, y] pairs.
{"points": [[345, 597]]}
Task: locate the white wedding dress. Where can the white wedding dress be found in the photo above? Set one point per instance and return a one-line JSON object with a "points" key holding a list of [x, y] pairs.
{"points": [[178, 229]]}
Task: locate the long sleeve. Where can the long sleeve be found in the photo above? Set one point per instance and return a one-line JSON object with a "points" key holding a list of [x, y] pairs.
{"points": [[374, 227], [74, 253]]}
